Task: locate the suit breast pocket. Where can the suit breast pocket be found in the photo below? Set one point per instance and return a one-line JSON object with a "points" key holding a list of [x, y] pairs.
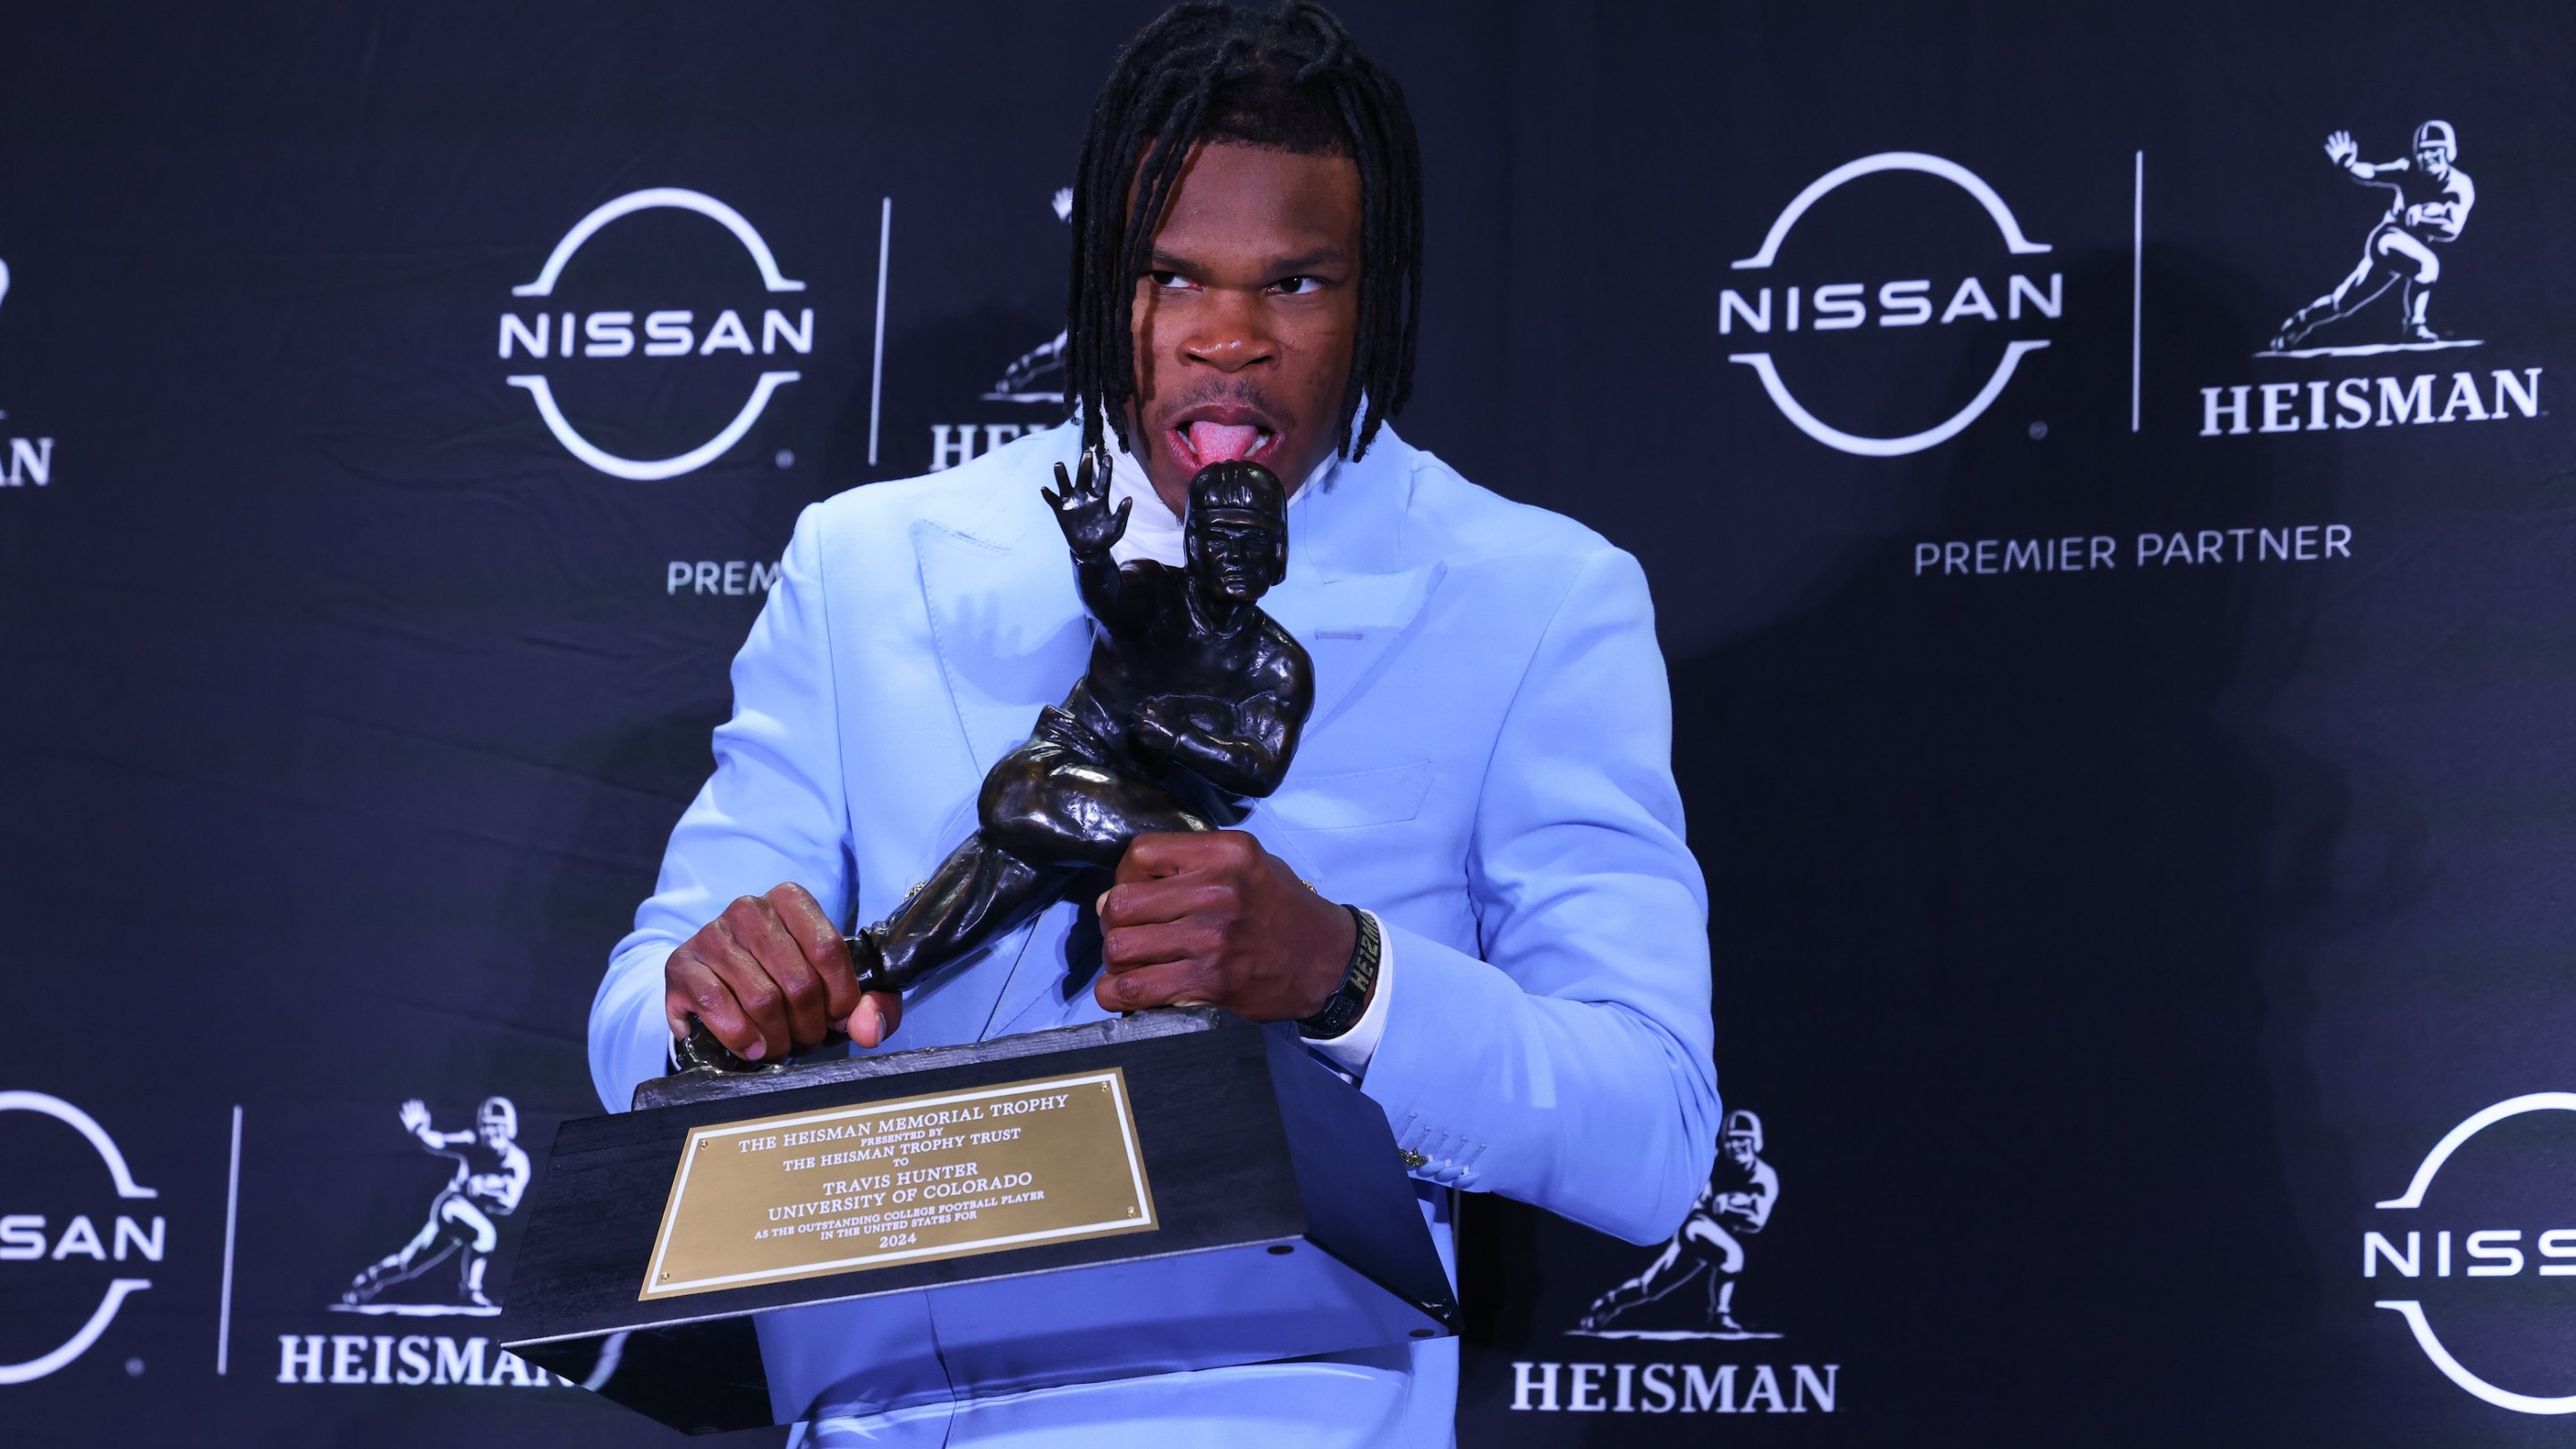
{"points": [[1342, 802]]}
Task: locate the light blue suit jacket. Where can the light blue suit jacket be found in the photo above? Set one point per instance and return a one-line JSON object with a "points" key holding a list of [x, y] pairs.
{"points": [[1488, 767]]}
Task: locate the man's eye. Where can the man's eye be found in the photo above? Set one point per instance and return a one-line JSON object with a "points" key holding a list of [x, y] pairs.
{"points": [[1298, 286], [1168, 279]]}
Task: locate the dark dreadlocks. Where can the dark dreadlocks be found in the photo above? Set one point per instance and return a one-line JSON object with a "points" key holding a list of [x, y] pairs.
{"points": [[1289, 79]]}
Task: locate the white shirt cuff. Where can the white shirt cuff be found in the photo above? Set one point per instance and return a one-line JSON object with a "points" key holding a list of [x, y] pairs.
{"points": [[1352, 1049]]}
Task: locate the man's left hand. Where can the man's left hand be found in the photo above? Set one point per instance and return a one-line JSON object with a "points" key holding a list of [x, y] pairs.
{"points": [[1210, 918]]}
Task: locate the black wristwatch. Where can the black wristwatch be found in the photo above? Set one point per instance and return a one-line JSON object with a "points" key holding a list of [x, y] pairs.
{"points": [[1349, 1001]]}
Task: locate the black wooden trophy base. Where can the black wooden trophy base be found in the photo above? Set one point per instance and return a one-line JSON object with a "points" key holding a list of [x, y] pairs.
{"points": [[1285, 1226]]}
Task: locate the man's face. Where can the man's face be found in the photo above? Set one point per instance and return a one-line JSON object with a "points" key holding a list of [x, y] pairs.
{"points": [[2430, 160], [1235, 557], [494, 1136], [1246, 318], [1741, 1150]]}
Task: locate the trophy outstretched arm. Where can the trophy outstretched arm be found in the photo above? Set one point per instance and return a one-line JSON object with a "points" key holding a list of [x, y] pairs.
{"points": [[1091, 528], [1105, 593]]}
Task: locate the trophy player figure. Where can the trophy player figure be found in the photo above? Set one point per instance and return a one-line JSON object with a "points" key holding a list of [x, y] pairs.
{"points": [[491, 1174], [1734, 1205], [1193, 698], [2430, 201], [1192, 701]]}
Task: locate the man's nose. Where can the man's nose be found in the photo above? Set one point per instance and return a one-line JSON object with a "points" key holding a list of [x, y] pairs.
{"points": [[1231, 336]]}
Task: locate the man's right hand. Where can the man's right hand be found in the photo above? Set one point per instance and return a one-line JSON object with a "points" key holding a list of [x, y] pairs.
{"points": [[772, 976]]}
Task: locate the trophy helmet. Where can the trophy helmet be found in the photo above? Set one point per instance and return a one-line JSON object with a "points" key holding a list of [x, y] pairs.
{"points": [[498, 1112], [1240, 487], [2439, 136], [1745, 1125]]}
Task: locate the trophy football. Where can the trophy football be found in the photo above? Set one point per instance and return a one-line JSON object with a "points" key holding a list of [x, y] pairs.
{"points": [[1174, 1189]]}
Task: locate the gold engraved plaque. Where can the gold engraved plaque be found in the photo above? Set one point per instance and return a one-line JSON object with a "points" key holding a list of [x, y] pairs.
{"points": [[906, 1181]]}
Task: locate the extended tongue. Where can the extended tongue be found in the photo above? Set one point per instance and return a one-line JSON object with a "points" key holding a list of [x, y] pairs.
{"points": [[1223, 442]]}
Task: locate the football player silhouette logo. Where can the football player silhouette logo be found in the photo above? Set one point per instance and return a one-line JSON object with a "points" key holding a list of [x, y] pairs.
{"points": [[1709, 1249], [491, 1175], [1037, 375], [2429, 201]]}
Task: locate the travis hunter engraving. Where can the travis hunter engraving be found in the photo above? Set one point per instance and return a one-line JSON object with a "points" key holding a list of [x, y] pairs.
{"points": [[917, 1178]]}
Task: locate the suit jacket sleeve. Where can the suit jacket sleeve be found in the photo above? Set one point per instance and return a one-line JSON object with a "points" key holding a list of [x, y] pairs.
{"points": [[773, 811], [1570, 1066]]}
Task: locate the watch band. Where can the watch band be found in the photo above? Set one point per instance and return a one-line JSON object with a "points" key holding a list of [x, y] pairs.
{"points": [[1349, 1001]]}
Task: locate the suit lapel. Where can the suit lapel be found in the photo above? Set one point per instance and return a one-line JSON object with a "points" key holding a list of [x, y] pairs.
{"points": [[1350, 597], [1351, 627], [1009, 627]]}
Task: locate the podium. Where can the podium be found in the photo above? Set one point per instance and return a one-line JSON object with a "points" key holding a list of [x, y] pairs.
{"points": [[1177, 1189]]}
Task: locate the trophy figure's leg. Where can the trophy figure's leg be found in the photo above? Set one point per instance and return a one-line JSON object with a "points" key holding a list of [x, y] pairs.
{"points": [[1050, 816], [979, 892], [1046, 802]]}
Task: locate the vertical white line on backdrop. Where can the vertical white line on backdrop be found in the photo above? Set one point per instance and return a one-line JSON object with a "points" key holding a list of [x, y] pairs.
{"points": [[2137, 284], [232, 1204], [876, 368]]}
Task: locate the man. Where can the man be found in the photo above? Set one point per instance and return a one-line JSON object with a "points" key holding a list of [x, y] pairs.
{"points": [[1484, 774], [1735, 1205], [491, 1175], [2429, 202]]}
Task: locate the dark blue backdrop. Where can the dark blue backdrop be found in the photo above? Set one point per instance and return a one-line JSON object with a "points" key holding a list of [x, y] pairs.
{"points": [[2119, 891]]}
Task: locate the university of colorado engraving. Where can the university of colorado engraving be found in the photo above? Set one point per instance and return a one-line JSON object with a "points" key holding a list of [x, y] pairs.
{"points": [[919, 1178]]}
